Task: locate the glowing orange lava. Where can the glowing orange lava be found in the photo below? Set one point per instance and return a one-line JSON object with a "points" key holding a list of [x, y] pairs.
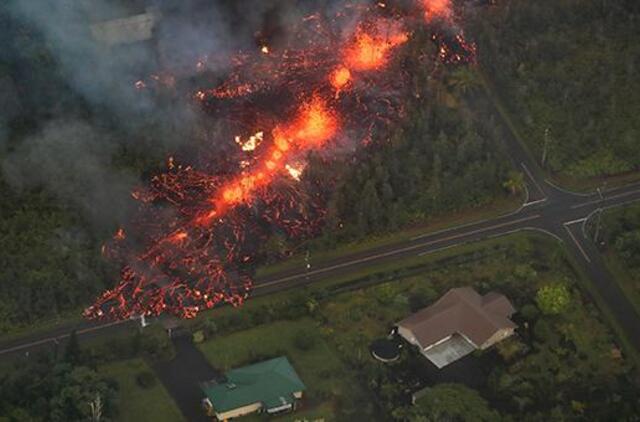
{"points": [[370, 51], [437, 9], [314, 124], [340, 77]]}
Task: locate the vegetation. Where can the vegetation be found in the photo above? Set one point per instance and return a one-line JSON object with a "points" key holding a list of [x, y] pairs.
{"points": [[137, 402], [46, 388], [619, 239], [560, 365], [553, 298], [54, 223], [452, 402], [74, 382], [325, 376], [566, 70]]}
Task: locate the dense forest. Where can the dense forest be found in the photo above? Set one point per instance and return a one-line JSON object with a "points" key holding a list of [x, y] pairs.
{"points": [[567, 70], [69, 160]]}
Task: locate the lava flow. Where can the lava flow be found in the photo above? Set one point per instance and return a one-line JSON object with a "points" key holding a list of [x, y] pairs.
{"points": [[200, 226]]}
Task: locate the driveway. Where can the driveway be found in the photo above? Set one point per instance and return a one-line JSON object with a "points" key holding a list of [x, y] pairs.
{"points": [[181, 376]]}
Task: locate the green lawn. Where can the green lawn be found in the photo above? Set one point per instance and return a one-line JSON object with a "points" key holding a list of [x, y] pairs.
{"points": [[319, 367], [136, 403]]}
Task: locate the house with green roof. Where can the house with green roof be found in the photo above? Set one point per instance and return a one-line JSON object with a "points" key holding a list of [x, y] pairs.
{"points": [[272, 386]]}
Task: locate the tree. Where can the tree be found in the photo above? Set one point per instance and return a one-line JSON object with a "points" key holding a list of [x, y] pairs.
{"points": [[464, 80], [454, 402], [75, 389], [553, 298], [515, 183]]}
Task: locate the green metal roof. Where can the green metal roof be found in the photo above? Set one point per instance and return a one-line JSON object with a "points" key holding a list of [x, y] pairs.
{"points": [[271, 382]]}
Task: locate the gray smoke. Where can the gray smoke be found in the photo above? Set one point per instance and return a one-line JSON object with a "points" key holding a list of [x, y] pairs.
{"points": [[74, 158], [74, 161]]}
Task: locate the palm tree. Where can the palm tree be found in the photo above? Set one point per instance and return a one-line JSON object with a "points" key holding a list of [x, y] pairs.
{"points": [[96, 409], [515, 182], [464, 80]]}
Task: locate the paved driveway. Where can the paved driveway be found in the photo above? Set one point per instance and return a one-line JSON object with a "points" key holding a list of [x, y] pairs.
{"points": [[181, 376]]}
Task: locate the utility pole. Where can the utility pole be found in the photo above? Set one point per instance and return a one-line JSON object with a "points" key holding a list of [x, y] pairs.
{"points": [[544, 148]]}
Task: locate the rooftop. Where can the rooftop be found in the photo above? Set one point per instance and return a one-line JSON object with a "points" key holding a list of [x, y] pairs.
{"points": [[461, 311], [271, 383]]}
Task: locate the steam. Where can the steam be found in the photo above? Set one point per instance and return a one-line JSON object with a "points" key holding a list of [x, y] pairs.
{"points": [[73, 157], [74, 161]]}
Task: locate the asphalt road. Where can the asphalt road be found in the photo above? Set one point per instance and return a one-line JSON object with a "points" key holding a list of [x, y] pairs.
{"points": [[549, 209]]}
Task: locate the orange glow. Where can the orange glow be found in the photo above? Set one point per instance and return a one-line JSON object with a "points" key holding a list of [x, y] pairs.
{"points": [[370, 51], [280, 141], [340, 77], [436, 9], [178, 236], [314, 124]]}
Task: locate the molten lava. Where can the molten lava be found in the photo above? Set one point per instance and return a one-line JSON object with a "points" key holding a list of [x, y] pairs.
{"points": [[199, 227], [434, 9], [370, 51], [313, 125], [340, 77]]}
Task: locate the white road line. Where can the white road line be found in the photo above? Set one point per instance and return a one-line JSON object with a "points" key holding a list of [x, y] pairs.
{"points": [[527, 204], [526, 169], [394, 252], [579, 220], [606, 198], [438, 250], [584, 254]]}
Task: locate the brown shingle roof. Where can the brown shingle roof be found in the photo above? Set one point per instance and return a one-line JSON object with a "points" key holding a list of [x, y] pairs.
{"points": [[462, 311]]}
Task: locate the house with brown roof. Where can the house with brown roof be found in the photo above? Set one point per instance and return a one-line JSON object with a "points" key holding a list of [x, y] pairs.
{"points": [[460, 322]]}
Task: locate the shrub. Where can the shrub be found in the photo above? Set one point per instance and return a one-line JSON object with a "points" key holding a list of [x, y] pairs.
{"points": [[553, 298], [198, 336], [529, 312], [146, 379]]}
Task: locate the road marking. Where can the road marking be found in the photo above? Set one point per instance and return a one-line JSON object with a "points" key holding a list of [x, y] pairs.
{"points": [[535, 182], [606, 198], [60, 337], [393, 252], [579, 220], [526, 204], [438, 250], [584, 254]]}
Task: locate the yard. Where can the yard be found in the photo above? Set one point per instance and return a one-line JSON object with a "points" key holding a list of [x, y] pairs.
{"points": [[136, 403], [564, 361], [325, 376]]}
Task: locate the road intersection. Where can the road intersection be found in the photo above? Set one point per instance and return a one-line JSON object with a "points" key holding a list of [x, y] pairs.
{"points": [[547, 208]]}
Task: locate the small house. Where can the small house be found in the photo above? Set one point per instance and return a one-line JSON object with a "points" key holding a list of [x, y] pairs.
{"points": [[460, 322], [272, 386]]}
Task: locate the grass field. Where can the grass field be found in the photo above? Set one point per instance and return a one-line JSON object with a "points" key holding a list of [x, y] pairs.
{"points": [[319, 368], [136, 403]]}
